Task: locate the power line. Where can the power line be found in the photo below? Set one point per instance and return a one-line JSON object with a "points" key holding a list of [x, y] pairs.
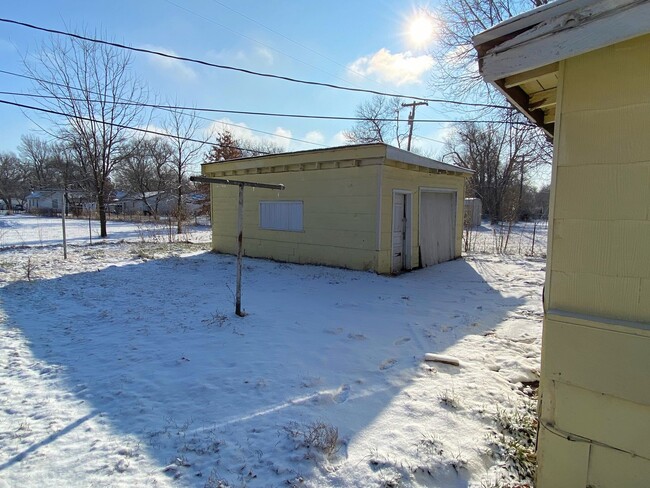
{"points": [[128, 127], [247, 71], [251, 39], [307, 48], [236, 112], [170, 108]]}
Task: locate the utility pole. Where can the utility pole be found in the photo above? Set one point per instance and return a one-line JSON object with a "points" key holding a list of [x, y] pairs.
{"points": [[411, 118]]}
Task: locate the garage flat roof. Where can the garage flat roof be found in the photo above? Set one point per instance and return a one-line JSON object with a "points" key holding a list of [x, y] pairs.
{"points": [[350, 152]]}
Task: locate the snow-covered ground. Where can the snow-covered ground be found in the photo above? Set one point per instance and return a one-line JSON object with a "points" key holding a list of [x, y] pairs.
{"points": [[31, 231], [521, 238], [126, 366]]}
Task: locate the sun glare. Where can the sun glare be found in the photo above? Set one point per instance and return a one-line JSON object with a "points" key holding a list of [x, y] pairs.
{"points": [[421, 29]]}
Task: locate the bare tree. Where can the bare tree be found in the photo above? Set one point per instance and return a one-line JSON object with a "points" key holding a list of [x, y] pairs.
{"points": [[13, 179], [182, 126], [501, 156], [259, 147], [88, 83], [380, 122], [146, 170], [38, 156], [456, 74]]}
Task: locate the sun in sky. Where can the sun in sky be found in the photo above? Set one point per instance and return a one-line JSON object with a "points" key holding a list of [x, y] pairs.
{"points": [[420, 28]]}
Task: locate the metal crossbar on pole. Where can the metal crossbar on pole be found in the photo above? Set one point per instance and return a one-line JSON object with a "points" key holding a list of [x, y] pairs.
{"points": [[225, 181], [240, 222]]}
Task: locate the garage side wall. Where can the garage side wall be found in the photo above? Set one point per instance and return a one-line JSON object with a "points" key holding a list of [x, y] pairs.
{"points": [[595, 385], [413, 180], [339, 217]]}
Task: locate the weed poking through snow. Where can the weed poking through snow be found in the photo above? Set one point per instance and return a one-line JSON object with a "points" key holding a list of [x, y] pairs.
{"points": [[317, 436], [449, 399], [514, 440]]}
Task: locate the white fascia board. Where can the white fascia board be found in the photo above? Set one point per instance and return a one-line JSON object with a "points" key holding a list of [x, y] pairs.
{"points": [[528, 19], [570, 34], [407, 157]]}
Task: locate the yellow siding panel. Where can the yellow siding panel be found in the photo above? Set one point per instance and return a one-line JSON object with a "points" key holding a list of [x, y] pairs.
{"points": [[593, 294], [301, 253], [644, 299], [603, 418], [612, 136], [608, 70], [339, 217], [610, 468], [605, 358], [608, 248], [603, 192], [562, 464]]}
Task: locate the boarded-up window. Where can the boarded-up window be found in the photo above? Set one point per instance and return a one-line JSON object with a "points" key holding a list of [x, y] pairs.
{"points": [[282, 215]]}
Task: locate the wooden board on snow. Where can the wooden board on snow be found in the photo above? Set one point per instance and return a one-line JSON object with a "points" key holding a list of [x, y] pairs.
{"points": [[440, 358]]}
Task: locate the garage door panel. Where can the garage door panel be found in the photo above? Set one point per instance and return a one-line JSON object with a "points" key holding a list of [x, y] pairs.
{"points": [[437, 227]]}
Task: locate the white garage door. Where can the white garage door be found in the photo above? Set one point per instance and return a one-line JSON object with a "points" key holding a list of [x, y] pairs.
{"points": [[437, 227]]}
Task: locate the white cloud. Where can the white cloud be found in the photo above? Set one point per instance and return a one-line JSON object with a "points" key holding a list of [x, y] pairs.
{"points": [[178, 68], [251, 58], [226, 55], [315, 136], [265, 54], [339, 139], [398, 69]]}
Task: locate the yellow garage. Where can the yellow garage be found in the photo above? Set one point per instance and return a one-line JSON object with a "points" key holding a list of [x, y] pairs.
{"points": [[368, 207]]}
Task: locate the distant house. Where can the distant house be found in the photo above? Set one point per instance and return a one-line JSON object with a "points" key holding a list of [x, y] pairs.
{"points": [[371, 207], [149, 203], [50, 202], [581, 71]]}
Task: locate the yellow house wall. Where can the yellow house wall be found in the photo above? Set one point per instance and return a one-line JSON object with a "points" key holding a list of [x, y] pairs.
{"points": [[411, 180], [595, 385], [339, 217]]}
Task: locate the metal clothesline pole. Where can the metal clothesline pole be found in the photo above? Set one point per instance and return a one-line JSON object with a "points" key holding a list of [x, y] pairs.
{"points": [[240, 221]]}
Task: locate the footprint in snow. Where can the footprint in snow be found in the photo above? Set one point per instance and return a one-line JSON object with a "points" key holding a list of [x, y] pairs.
{"points": [[343, 394], [389, 363], [356, 337], [336, 331], [401, 341]]}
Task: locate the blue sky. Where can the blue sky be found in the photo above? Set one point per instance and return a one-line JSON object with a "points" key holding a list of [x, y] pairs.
{"points": [[356, 43]]}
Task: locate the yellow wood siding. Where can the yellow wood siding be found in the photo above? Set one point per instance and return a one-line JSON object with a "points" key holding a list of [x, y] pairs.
{"points": [[595, 386], [601, 221], [339, 213]]}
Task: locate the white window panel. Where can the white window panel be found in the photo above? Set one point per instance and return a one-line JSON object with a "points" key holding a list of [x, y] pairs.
{"points": [[281, 215]]}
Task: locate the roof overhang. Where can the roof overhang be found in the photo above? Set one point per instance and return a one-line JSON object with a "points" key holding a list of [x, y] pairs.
{"points": [[521, 56], [379, 152]]}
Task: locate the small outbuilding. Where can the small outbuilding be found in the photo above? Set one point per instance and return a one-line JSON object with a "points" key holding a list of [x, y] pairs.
{"points": [[368, 207]]}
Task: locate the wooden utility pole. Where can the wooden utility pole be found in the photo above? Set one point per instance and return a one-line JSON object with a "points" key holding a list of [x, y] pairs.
{"points": [[240, 222], [411, 119], [65, 242]]}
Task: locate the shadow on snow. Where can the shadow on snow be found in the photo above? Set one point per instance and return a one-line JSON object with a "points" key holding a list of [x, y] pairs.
{"points": [[155, 346]]}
